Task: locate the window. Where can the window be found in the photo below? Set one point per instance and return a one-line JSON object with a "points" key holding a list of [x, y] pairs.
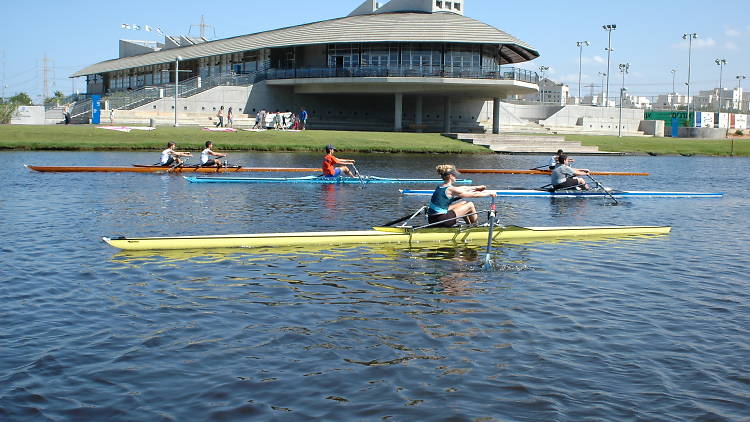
{"points": [[448, 5], [439, 4], [380, 55], [343, 55], [458, 6]]}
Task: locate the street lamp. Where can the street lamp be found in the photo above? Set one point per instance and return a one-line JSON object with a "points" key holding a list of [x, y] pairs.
{"points": [[721, 63], [176, 84], [739, 91], [690, 38], [580, 45], [542, 69], [674, 74], [609, 29], [624, 68]]}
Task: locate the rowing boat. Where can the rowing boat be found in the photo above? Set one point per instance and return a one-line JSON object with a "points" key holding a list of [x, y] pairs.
{"points": [[541, 193], [314, 179], [139, 168], [380, 235], [547, 172]]}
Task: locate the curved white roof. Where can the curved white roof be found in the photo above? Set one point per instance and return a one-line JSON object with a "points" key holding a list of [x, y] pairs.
{"points": [[386, 27]]}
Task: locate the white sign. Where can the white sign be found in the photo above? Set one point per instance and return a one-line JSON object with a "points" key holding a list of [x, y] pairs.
{"points": [[740, 121], [707, 119], [28, 115], [724, 120]]}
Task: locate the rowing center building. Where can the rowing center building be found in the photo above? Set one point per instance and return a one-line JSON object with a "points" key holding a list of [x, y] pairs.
{"points": [[406, 65]]}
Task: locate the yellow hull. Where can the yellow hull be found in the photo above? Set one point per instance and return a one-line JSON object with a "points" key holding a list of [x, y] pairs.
{"points": [[380, 235]]}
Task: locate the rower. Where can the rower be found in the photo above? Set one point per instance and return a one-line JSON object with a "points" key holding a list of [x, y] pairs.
{"points": [[446, 205], [207, 155], [554, 160], [330, 161], [170, 157], [566, 177]]}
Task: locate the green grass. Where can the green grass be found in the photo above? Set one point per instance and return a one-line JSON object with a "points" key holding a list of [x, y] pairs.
{"points": [[665, 146], [84, 137]]}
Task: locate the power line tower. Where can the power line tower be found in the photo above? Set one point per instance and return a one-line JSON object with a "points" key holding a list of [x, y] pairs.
{"points": [[45, 77], [592, 86], [202, 28]]}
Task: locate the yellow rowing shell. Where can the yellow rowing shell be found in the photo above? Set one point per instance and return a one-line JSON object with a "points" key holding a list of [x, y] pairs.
{"points": [[378, 236]]}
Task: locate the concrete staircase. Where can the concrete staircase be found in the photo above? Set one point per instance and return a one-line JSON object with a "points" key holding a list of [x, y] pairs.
{"points": [[521, 143]]}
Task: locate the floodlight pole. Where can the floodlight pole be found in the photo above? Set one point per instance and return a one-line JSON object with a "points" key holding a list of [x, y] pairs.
{"points": [[580, 45], [609, 29], [624, 68], [690, 37], [176, 86], [739, 91], [721, 63], [674, 74]]}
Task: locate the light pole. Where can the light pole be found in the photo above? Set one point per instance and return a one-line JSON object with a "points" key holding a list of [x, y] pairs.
{"points": [[542, 69], [609, 29], [721, 63], [674, 74], [176, 84], [624, 68], [690, 38], [580, 45], [739, 91]]}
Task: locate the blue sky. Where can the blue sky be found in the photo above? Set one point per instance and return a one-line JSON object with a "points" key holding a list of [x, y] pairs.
{"points": [[75, 34]]}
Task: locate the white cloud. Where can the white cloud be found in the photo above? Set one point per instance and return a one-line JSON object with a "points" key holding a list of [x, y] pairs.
{"points": [[731, 32], [595, 59], [731, 46]]}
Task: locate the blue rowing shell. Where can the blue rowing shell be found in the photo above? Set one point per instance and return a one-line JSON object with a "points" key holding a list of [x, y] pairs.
{"points": [[585, 194], [314, 179]]}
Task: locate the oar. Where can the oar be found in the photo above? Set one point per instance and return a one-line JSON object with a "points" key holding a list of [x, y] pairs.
{"points": [[602, 188], [404, 218], [359, 175], [492, 213]]}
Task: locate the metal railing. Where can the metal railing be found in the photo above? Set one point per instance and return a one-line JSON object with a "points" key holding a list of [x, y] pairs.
{"points": [[128, 100]]}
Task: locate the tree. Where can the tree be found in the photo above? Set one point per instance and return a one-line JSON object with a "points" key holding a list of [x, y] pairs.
{"points": [[21, 99], [56, 99]]}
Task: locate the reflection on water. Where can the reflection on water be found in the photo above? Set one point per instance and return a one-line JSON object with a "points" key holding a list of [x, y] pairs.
{"points": [[632, 328]]}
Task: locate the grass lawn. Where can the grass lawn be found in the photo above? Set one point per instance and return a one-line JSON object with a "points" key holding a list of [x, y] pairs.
{"points": [[85, 137], [659, 146]]}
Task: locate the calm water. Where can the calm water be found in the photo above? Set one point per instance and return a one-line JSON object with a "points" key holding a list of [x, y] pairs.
{"points": [[652, 329]]}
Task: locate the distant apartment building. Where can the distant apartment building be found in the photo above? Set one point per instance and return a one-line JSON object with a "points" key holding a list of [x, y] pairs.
{"points": [[550, 92], [635, 101], [596, 100], [731, 99], [671, 101]]}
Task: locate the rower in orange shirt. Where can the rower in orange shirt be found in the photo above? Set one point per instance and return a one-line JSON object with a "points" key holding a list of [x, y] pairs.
{"points": [[329, 164]]}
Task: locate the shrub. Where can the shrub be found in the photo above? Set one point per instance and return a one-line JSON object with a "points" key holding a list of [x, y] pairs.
{"points": [[739, 132]]}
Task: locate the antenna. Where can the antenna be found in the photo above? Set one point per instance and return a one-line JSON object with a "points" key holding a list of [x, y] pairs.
{"points": [[202, 28]]}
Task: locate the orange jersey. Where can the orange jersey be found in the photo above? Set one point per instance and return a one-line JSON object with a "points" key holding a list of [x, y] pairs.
{"points": [[328, 164]]}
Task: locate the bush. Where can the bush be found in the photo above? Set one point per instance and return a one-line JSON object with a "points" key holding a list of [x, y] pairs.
{"points": [[739, 133], [6, 112]]}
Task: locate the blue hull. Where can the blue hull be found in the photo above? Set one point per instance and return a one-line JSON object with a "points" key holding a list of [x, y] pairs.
{"points": [[586, 194], [315, 180]]}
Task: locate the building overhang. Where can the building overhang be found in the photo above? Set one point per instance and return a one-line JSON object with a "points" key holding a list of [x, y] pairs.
{"points": [[408, 85]]}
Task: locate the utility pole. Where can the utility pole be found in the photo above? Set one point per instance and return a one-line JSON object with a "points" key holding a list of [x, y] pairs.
{"points": [[624, 68], [721, 63], [202, 28], [674, 73], [690, 37], [542, 69], [580, 45], [2, 98]]}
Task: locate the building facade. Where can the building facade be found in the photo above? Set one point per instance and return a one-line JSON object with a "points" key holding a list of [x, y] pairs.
{"points": [[416, 61]]}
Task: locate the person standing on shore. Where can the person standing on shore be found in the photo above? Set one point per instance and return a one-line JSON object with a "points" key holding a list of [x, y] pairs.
{"points": [[303, 119], [220, 116], [230, 116]]}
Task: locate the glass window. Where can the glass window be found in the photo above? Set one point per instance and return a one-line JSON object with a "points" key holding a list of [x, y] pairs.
{"points": [[380, 55], [463, 57], [424, 57], [343, 55]]}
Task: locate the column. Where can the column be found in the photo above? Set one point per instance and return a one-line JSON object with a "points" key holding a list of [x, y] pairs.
{"points": [[418, 114], [398, 113], [496, 115], [447, 115]]}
